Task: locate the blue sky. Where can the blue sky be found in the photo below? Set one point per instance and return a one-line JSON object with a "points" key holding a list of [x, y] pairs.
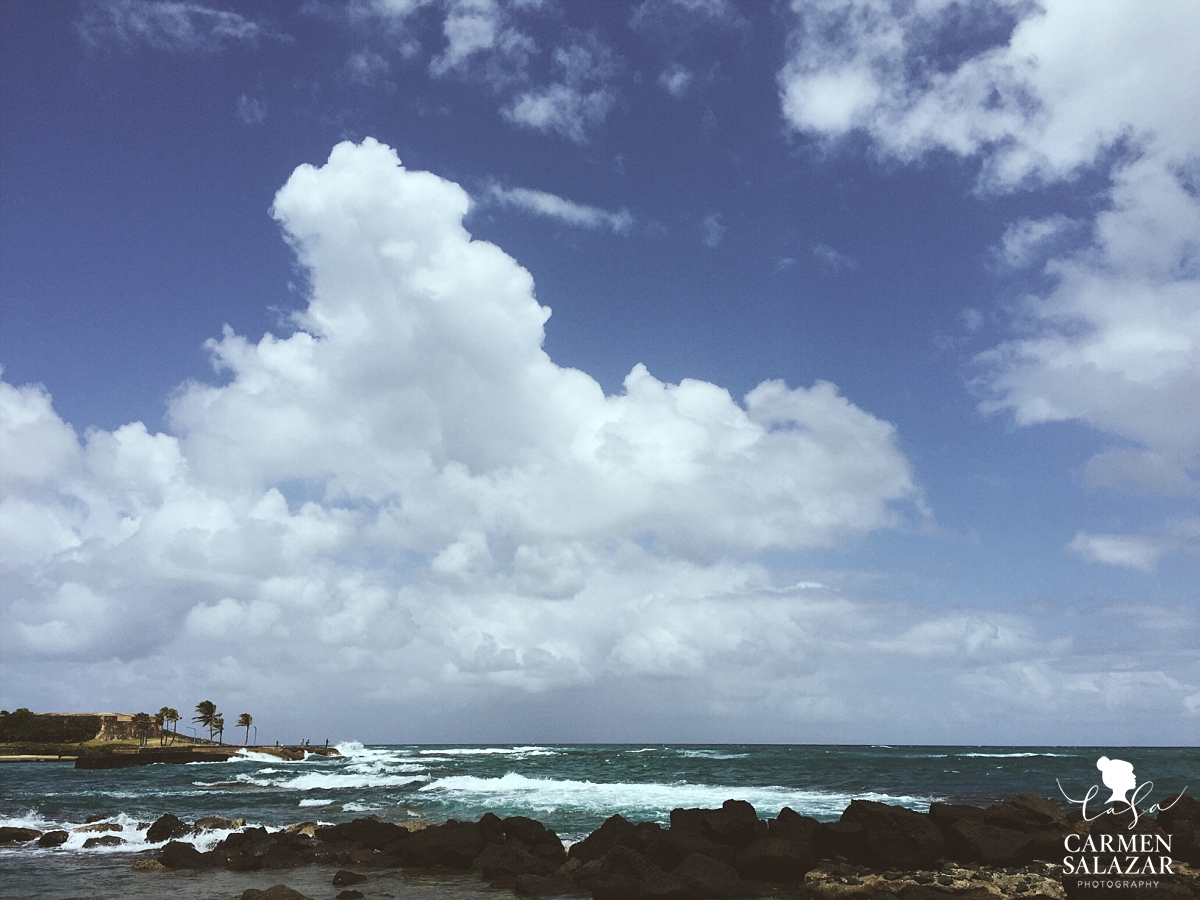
{"points": [[663, 370]]}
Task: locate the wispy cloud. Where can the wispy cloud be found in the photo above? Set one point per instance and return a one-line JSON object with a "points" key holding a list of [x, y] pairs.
{"points": [[251, 110], [712, 230], [167, 25], [675, 80], [579, 98], [1140, 552], [553, 206], [834, 259]]}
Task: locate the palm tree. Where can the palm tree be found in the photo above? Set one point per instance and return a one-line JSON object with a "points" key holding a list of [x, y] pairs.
{"points": [[206, 714], [245, 720], [218, 725], [141, 726], [160, 720], [171, 715]]}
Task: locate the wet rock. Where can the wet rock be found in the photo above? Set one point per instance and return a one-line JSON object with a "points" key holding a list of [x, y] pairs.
{"points": [[99, 827], [1026, 813], [350, 895], [109, 840], [1181, 820], [148, 865], [972, 840], [10, 836], [671, 848], [369, 832], [217, 823], [275, 892], [791, 826], [53, 839], [454, 845], [708, 877], [624, 874], [735, 823], [166, 828], [946, 814], [182, 855], [504, 862], [531, 885], [345, 877], [775, 859], [615, 831], [833, 839], [894, 836]]}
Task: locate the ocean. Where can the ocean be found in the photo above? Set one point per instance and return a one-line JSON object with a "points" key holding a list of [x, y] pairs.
{"points": [[570, 788]]}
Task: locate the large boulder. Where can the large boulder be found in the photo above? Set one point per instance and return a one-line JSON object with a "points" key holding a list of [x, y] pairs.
{"points": [[624, 874], [972, 840], [735, 823], [615, 831], [946, 814], [369, 831], [453, 845], [791, 826], [1181, 820], [895, 837], [108, 840], [10, 836], [775, 859], [670, 848], [504, 862], [53, 839], [833, 839], [1044, 823], [275, 892], [182, 855], [166, 828], [345, 877], [708, 877]]}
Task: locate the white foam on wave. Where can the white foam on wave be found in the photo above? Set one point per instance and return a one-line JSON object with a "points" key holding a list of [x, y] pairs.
{"points": [[132, 834], [711, 754], [493, 751], [358, 807], [548, 795], [310, 801], [1013, 755]]}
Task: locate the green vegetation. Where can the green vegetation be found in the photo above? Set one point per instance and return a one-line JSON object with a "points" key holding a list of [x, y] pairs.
{"points": [[27, 727], [245, 720], [206, 716]]}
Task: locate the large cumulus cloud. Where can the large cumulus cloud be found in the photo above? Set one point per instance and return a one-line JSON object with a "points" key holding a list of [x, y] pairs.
{"points": [[405, 501]]}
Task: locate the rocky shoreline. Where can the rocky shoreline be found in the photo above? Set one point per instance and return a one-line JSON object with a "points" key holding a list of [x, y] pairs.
{"points": [[1012, 849]]}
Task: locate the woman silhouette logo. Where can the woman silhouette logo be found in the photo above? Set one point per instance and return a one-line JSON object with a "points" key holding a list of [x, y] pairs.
{"points": [[1118, 776]]}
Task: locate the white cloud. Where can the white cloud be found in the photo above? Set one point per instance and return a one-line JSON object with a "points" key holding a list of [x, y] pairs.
{"points": [[834, 259], [1050, 91], [675, 79], [251, 111], [406, 501], [712, 230], [1140, 552], [1027, 241], [167, 25], [367, 68], [579, 99], [551, 205]]}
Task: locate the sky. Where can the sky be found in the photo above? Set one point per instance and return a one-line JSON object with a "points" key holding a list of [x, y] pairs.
{"points": [[651, 370]]}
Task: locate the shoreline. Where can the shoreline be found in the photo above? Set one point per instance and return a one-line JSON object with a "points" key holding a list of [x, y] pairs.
{"points": [[874, 851]]}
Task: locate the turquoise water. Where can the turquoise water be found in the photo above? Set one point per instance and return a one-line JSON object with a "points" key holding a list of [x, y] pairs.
{"points": [[570, 788]]}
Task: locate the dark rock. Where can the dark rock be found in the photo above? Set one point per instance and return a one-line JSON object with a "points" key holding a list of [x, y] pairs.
{"points": [[529, 831], [624, 874], [510, 859], [95, 817], [894, 836], [53, 839], [791, 826], [971, 840], [1181, 820], [166, 828], [946, 814], [775, 859], [345, 877], [492, 828], [280, 856], [671, 848], [1026, 813], [369, 832], [530, 885], [350, 895], [276, 892], [454, 845], [182, 855], [10, 835], [615, 831], [735, 823], [109, 840], [217, 823], [833, 839], [708, 877]]}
